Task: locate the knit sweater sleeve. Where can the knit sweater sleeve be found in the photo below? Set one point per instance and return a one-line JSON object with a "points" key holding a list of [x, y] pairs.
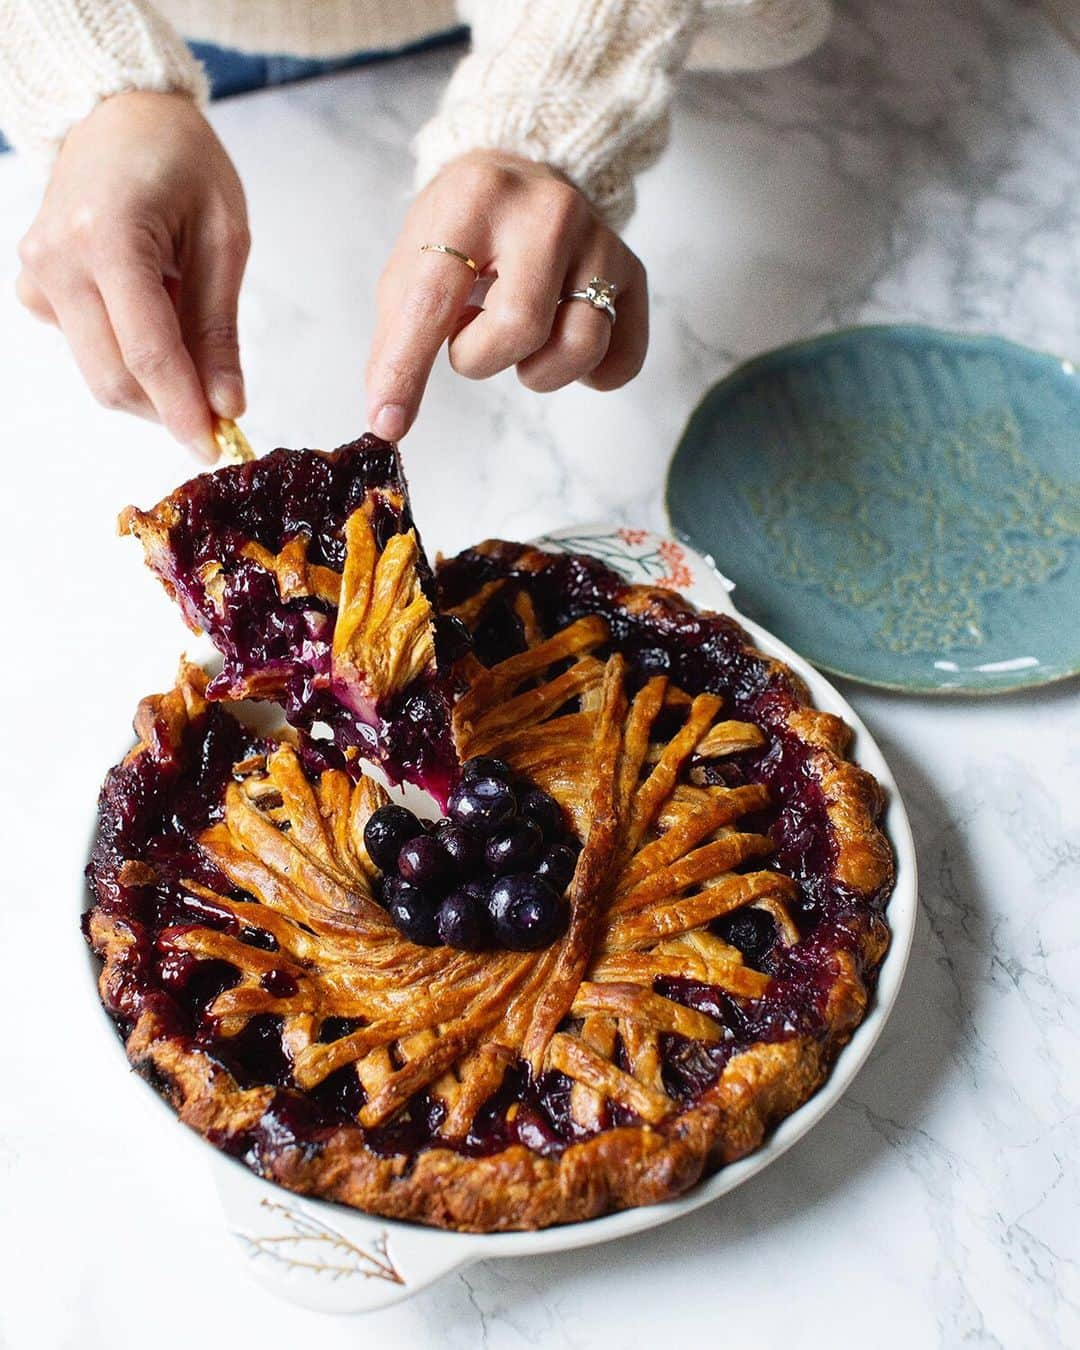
{"points": [[59, 58], [584, 85]]}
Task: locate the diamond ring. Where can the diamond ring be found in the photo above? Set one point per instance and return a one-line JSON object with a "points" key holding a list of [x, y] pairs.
{"points": [[598, 293]]}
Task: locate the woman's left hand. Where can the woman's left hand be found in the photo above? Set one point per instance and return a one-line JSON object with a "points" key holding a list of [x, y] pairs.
{"points": [[537, 236]]}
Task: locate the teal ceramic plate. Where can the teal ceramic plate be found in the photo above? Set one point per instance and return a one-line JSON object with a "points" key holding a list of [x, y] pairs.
{"points": [[899, 504]]}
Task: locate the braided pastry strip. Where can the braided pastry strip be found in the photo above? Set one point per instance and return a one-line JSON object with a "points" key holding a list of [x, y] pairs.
{"points": [[655, 869]]}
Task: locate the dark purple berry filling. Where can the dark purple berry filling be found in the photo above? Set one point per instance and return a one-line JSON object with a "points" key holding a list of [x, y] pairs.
{"points": [[752, 931], [281, 648]]}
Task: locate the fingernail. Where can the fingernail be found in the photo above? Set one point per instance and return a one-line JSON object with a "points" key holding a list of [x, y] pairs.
{"points": [[390, 422], [226, 395]]}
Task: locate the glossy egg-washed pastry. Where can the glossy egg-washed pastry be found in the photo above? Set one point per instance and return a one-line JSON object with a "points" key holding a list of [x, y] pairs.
{"points": [[650, 920]]}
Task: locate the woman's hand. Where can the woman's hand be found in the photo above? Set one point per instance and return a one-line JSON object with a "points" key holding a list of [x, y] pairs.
{"points": [[137, 254], [537, 236]]}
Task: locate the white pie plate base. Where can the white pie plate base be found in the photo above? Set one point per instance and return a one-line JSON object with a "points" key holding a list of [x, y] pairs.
{"points": [[333, 1259]]}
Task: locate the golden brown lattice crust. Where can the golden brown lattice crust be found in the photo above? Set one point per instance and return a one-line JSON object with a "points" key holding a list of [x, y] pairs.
{"points": [[515, 1188], [663, 857], [855, 798], [384, 632]]}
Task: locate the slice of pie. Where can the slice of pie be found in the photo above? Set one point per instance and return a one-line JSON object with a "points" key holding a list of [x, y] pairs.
{"points": [[262, 928], [306, 571]]}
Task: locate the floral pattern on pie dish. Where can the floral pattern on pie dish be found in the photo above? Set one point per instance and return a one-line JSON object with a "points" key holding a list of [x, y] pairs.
{"points": [[630, 550], [726, 919]]}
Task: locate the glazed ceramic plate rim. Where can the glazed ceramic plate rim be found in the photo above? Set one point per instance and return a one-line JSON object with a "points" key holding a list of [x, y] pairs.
{"points": [[738, 372], [448, 1251]]}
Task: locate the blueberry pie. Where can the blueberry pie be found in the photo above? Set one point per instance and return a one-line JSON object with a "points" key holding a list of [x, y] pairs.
{"points": [[647, 919], [307, 572]]}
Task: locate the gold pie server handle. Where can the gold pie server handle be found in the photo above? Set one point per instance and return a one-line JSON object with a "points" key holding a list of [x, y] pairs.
{"points": [[234, 446]]}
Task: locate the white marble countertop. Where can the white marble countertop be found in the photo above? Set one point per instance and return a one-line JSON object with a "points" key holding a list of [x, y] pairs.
{"points": [[925, 165]]}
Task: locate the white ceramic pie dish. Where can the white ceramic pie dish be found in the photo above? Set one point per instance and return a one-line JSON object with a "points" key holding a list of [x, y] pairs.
{"points": [[333, 1259]]}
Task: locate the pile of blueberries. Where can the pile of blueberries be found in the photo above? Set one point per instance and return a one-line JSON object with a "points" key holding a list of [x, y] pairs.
{"points": [[491, 873]]}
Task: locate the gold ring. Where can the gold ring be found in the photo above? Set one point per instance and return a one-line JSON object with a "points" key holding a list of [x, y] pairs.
{"points": [[598, 293], [453, 253]]}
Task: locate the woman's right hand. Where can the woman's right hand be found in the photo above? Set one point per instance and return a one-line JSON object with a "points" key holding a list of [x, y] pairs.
{"points": [[137, 253]]}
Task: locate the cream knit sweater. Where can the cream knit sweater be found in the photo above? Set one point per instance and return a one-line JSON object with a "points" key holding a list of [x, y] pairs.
{"points": [[584, 85]]}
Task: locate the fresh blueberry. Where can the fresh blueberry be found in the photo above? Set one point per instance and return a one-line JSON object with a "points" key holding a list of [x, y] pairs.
{"points": [[556, 866], [462, 845], [485, 766], [514, 847], [463, 920], [752, 931], [424, 862], [387, 829], [528, 914], [483, 804], [543, 810], [412, 911]]}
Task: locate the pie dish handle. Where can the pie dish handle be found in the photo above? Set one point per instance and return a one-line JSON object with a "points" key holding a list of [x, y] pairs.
{"points": [[328, 1258]]}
